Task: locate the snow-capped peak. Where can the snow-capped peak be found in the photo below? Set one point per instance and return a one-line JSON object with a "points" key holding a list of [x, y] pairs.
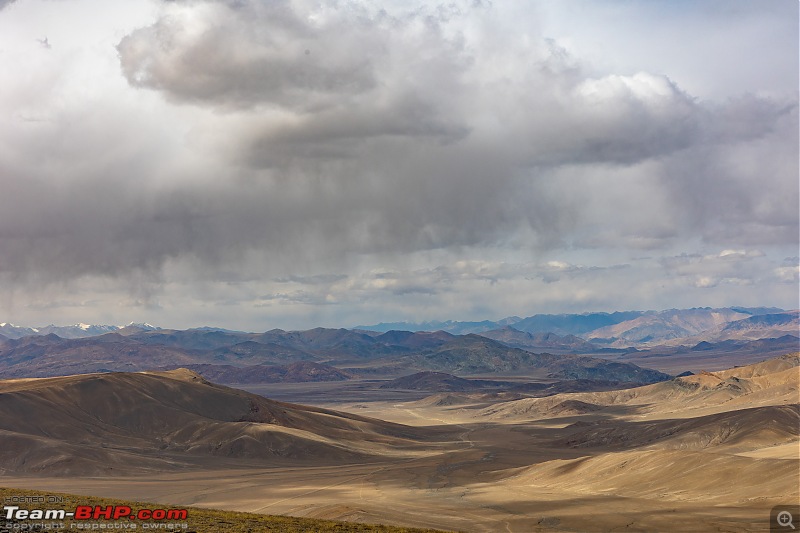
{"points": [[13, 331], [8, 324], [14, 326], [74, 331], [142, 325]]}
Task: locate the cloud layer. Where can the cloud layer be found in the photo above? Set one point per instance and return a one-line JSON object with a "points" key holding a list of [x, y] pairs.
{"points": [[291, 151]]}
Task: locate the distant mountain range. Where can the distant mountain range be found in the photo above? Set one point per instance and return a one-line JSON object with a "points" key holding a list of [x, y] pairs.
{"points": [[584, 332], [623, 329], [591, 346], [292, 356], [541, 342], [472, 354], [76, 331]]}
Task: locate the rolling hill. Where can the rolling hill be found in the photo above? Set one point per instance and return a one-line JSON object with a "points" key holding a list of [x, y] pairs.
{"points": [[392, 354], [540, 342], [769, 383], [432, 381], [50, 355], [120, 423], [476, 355], [301, 372], [710, 451]]}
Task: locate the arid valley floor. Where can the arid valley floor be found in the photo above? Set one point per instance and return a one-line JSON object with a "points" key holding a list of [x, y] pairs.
{"points": [[707, 452]]}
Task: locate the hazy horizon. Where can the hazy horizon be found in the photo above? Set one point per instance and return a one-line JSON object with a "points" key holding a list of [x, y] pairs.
{"points": [[445, 320]]}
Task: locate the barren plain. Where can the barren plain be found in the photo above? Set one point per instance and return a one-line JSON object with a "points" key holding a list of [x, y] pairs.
{"points": [[709, 452]]}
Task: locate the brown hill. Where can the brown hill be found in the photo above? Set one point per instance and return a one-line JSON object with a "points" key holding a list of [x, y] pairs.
{"points": [[573, 407], [474, 355], [50, 355], [733, 431], [418, 340], [432, 381], [714, 356], [251, 352], [330, 344], [772, 382], [727, 439], [389, 355], [301, 372], [133, 422], [540, 342], [652, 327], [444, 399], [675, 476], [761, 326]]}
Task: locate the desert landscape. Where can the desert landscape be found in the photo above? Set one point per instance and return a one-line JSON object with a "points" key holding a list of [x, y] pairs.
{"points": [[708, 451], [400, 266]]}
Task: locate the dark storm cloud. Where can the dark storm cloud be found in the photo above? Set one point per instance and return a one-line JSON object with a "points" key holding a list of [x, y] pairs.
{"points": [[318, 279], [307, 135], [249, 54], [409, 74], [741, 187]]}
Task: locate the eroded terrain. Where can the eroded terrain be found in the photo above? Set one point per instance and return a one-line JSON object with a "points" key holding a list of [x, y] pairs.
{"points": [[714, 451]]}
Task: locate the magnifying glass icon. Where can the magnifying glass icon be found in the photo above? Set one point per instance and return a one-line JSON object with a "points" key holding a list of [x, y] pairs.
{"points": [[785, 519]]}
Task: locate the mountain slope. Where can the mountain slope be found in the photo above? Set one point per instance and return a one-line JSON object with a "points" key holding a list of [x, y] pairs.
{"points": [[301, 372], [771, 382], [474, 355], [762, 326], [662, 326], [510, 336], [77, 331], [51, 355], [432, 381], [10, 331], [618, 329], [133, 422], [730, 431]]}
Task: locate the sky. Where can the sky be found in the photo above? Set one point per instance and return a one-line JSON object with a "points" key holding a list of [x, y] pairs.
{"points": [[259, 164]]}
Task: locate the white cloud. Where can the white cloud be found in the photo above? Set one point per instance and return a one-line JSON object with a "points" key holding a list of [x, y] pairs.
{"points": [[425, 159], [790, 274]]}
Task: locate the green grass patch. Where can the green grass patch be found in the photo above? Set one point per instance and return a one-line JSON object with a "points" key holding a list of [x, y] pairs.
{"points": [[197, 521]]}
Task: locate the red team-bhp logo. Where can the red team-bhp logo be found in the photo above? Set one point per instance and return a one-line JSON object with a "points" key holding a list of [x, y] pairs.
{"points": [[97, 512], [118, 512]]}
